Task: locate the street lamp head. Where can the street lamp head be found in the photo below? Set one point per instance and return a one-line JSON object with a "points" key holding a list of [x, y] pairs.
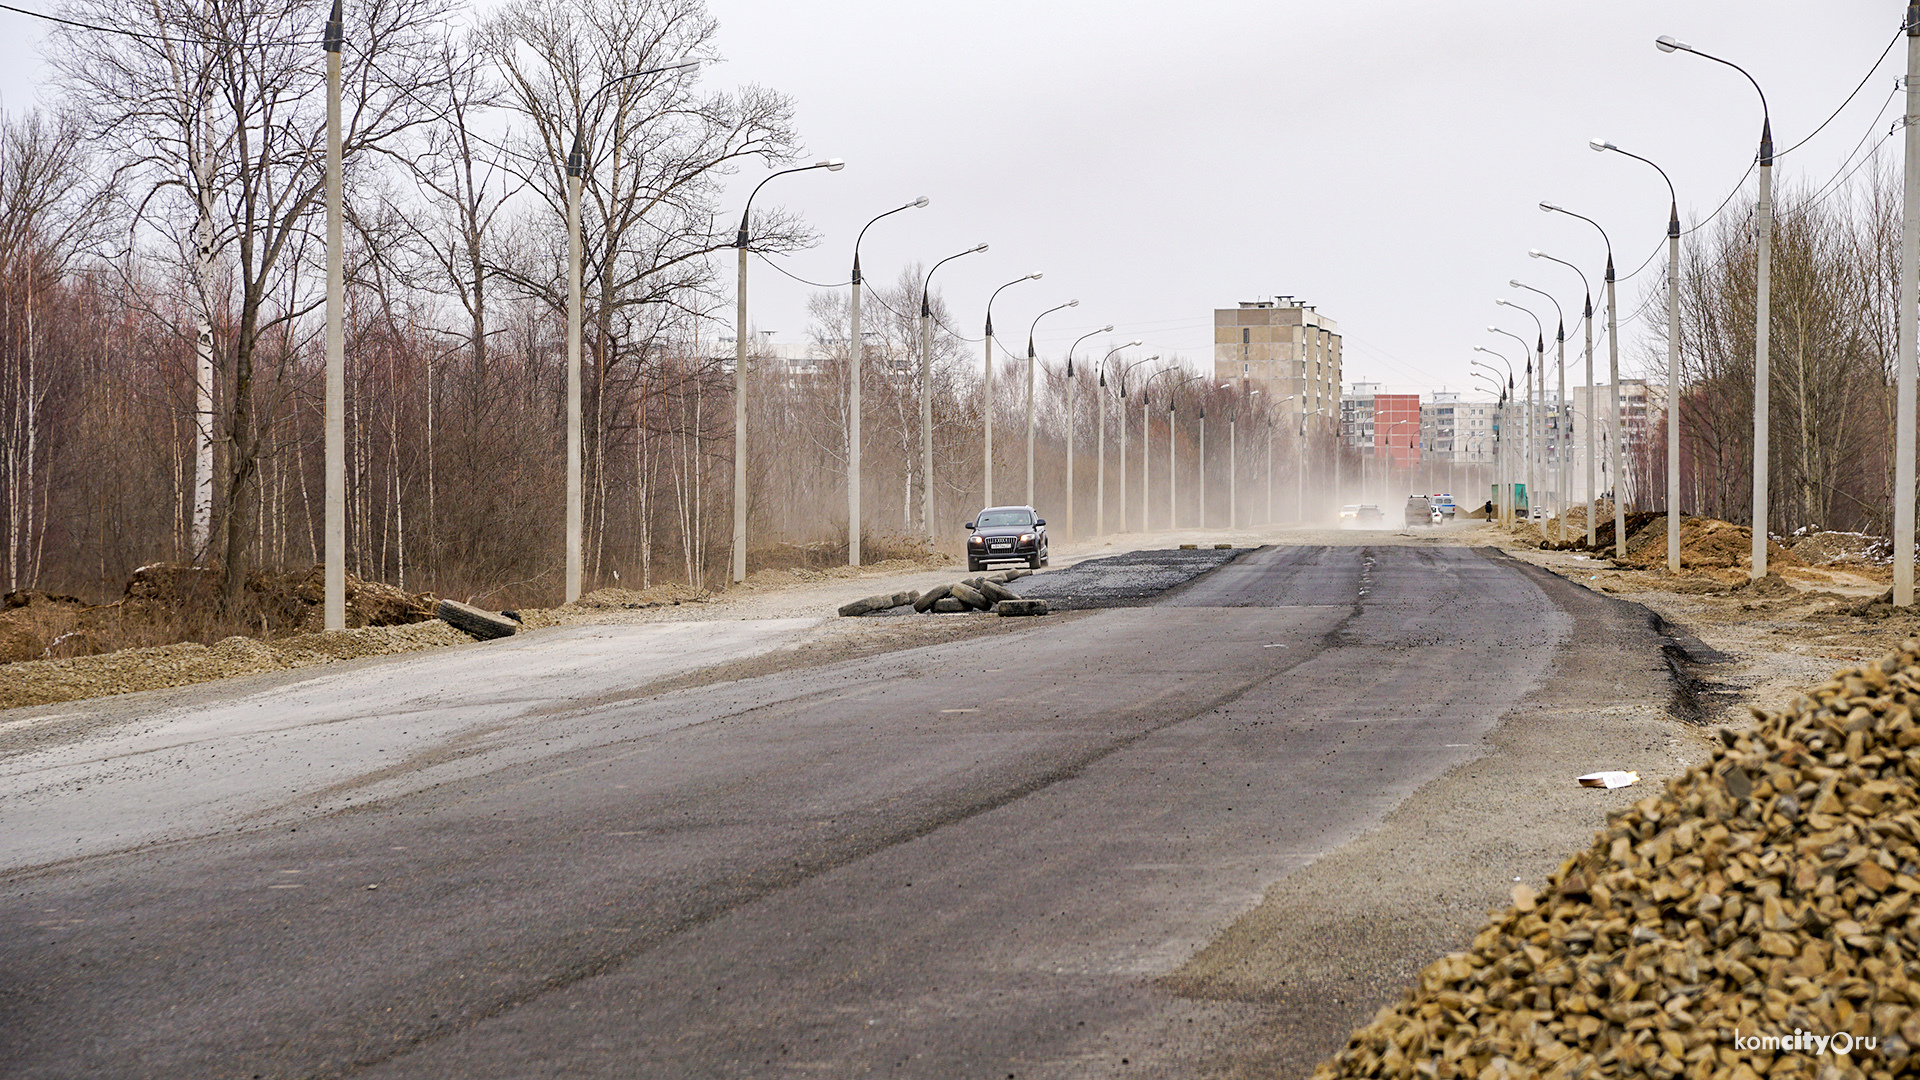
{"points": [[980, 248], [1131, 344], [921, 201], [1073, 303], [1668, 43], [693, 63], [831, 164], [1534, 253], [1514, 283], [1547, 207], [1599, 143], [1035, 276], [1107, 329]]}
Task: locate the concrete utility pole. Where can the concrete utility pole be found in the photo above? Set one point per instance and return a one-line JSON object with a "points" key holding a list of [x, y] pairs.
{"points": [[1903, 482], [926, 389], [1763, 321], [334, 614], [1032, 360], [856, 361], [1673, 356], [740, 333], [1076, 344], [1100, 473], [986, 396]]}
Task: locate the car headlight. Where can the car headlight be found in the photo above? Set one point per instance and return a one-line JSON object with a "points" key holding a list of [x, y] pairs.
{"points": [[1026, 538], [976, 539]]}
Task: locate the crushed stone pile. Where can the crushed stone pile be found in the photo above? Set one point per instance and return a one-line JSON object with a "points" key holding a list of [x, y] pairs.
{"points": [[1767, 893]]}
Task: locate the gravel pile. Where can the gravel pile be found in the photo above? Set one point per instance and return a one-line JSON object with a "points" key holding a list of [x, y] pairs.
{"points": [[1769, 892]]}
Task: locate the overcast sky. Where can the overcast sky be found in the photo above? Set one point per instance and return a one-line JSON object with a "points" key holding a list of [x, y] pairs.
{"points": [[1380, 159]]}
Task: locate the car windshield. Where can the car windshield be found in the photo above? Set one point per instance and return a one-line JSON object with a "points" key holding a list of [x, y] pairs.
{"points": [[1003, 518]]}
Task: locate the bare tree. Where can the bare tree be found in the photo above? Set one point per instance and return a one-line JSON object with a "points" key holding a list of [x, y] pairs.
{"points": [[216, 114]]}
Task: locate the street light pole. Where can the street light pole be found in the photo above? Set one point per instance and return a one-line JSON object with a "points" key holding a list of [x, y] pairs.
{"points": [[1673, 355], [1763, 319], [1504, 461], [986, 396], [926, 389], [335, 574], [1525, 473], [1030, 370], [1100, 472], [1593, 502], [1076, 344], [740, 335], [1146, 447], [1173, 474], [1559, 442], [1613, 377], [1903, 465], [857, 354]]}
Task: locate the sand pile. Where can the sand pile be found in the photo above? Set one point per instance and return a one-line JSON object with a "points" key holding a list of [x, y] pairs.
{"points": [[1768, 892]]}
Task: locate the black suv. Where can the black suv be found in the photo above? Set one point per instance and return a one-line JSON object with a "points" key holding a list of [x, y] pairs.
{"points": [[1007, 534]]}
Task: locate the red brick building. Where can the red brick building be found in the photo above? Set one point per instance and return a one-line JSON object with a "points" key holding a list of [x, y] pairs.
{"points": [[1396, 429]]}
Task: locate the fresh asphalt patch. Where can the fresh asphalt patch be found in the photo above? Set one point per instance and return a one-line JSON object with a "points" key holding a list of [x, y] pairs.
{"points": [[1128, 580]]}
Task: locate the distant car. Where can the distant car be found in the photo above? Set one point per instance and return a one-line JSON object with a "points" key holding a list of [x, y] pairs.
{"points": [[1007, 534], [1443, 502], [1369, 512], [1349, 513], [1439, 516], [1419, 511]]}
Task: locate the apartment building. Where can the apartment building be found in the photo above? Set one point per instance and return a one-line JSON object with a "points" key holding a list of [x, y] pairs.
{"points": [[1282, 348]]}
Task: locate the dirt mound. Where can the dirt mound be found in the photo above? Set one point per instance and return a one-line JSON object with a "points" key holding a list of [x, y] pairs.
{"points": [[34, 625], [168, 603], [1705, 544], [1816, 548], [1768, 892]]}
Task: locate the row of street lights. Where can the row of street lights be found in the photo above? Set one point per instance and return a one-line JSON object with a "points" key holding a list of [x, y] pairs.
{"points": [[1903, 501]]}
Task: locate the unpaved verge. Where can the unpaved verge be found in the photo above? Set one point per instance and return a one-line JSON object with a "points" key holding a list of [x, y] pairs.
{"points": [[1344, 935]]}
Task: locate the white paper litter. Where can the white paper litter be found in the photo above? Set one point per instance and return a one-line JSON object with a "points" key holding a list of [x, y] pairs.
{"points": [[1609, 779]]}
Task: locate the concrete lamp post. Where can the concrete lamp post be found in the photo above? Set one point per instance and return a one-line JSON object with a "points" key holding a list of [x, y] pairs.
{"points": [[1763, 322], [1123, 441], [1559, 441], [1173, 473], [1107, 329], [986, 395], [1146, 447], [1504, 461], [1593, 499], [1673, 353], [740, 334], [1031, 364], [1524, 474], [1100, 427], [1613, 377], [856, 361], [926, 388], [1909, 323]]}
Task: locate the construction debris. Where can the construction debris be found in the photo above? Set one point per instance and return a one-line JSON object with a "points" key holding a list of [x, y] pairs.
{"points": [[1609, 779]]}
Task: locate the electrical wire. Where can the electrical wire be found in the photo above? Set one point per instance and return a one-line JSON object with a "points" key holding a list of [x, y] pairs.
{"points": [[818, 285], [1897, 35], [135, 33]]}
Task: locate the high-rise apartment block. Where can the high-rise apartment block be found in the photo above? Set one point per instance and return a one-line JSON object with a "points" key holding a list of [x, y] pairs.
{"points": [[1282, 348]]}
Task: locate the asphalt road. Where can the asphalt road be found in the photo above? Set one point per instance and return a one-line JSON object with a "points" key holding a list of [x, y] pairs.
{"points": [[973, 859]]}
